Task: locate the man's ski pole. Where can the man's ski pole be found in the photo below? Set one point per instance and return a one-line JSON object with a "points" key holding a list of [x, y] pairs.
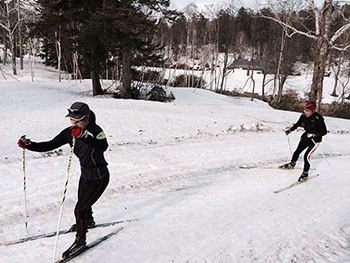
{"points": [[318, 147], [25, 190], [64, 197]]}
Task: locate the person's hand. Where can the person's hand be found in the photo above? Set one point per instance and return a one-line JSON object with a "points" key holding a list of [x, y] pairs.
{"points": [[76, 131], [86, 134], [23, 142], [310, 135], [288, 131]]}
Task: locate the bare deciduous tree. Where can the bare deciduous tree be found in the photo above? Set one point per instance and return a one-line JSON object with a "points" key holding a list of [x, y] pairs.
{"points": [[323, 40], [9, 26]]}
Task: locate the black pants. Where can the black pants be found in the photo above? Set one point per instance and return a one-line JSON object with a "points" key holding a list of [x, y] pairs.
{"points": [[89, 192], [305, 143]]}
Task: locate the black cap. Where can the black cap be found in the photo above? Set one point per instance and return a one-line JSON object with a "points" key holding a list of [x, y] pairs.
{"points": [[78, 110]]}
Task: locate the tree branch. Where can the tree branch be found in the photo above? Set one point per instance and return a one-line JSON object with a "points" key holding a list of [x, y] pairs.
{"points": [[5, 27], [317, 14], [340, 48], [291, 27], [339, 32]]}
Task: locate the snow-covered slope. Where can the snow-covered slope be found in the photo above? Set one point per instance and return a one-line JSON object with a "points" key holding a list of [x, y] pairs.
{"points": [[176, 168]]}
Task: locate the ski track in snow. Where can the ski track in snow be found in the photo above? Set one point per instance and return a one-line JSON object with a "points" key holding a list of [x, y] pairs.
{"points": [[175, 167]]}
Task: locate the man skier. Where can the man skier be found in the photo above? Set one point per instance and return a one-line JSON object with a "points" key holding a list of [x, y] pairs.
{"points": [[315, 128], [91, 143]]}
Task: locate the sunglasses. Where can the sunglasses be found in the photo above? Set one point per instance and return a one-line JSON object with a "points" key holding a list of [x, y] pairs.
{"points": [[73, 110], [84, 119]]}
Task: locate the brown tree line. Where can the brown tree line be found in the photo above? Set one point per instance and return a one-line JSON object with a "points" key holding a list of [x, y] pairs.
{"points": [[282, 37]]}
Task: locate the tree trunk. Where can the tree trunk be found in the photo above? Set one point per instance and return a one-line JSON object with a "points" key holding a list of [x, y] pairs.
{"points": [[11, 39], [224, 71], [21, 53], [263, 85], [58, 53], [319, 69], [126, 75], [32, 57], [281, 82], [253, 80], [96, 85], [336, 78], [277, 97], [5, 48], [192, 51], [321, 54], [212, 66], [20, 41], [12, 46]]}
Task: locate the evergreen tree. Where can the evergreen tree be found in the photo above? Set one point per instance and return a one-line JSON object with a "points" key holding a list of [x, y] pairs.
{"points": [[100, 30]]}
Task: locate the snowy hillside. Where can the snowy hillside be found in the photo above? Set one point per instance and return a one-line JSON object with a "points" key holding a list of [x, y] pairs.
{"points": [[177, 168]]}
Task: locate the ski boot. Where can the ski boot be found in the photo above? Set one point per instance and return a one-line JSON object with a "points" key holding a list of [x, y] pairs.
{"points": [[90, 224], [76, 248], [303, 177], [287, 165]]}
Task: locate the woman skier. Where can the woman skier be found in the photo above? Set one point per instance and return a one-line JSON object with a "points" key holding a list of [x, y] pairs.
{"points": [[91, 143]]}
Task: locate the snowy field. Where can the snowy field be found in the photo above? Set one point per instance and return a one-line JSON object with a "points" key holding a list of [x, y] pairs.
{"points": [[237, 80], [177, 168]]}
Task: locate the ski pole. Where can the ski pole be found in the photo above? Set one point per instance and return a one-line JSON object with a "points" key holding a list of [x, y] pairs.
{"points": [[318, 147], [25, 190], [64, 197], [290, 147]]}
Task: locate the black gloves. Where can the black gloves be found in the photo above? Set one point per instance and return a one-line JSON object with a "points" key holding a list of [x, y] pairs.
{"points": [[288, 131]]}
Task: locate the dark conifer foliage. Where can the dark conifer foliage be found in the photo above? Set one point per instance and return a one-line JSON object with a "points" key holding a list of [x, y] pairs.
{"points": [[99, 30]]}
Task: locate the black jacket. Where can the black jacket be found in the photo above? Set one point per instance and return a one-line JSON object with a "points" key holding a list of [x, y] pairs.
{"points": [[89, 150], [313, 124]]}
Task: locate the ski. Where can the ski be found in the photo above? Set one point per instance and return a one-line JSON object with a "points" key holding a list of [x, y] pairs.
{"points": [[52, 234], [89, 246], [295, 184], [272, 167]]}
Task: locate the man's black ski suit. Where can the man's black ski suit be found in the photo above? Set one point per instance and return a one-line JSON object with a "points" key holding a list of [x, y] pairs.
{"points": [[313, 125], [94, 172]]}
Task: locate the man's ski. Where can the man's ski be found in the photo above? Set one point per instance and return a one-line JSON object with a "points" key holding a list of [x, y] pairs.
{"points": [[52, 234], [295, 184], [89, 246]]}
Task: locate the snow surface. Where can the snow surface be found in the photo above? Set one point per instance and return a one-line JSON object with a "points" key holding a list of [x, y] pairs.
{"points": [[176, 168]]}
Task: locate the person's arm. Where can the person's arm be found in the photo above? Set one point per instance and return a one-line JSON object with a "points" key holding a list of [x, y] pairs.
{"points": [[321, 128], [297, 124], [55, 143], [97, 140]]}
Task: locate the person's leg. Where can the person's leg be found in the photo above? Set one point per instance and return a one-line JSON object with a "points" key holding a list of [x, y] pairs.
{"points": [[303, 144], [310, 150], [307, 156], [301, 147], [89, 192], [89, 214]]}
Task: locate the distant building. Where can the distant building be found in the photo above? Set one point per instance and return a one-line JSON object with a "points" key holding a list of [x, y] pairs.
{"points": [[255, 64]]}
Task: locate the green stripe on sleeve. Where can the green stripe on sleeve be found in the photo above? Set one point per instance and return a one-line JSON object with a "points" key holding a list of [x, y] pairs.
{"points": [[101, 136]]}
